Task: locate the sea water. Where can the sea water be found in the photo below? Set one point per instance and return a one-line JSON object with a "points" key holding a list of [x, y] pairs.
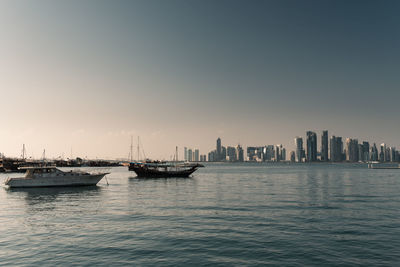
{"points": [[225, 215]]}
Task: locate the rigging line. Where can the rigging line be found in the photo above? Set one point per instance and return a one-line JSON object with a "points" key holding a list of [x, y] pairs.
{"points": [[144, 154]]}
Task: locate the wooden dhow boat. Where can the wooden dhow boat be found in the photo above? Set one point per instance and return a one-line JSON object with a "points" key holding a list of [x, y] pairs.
{"points": [[155, 169]]}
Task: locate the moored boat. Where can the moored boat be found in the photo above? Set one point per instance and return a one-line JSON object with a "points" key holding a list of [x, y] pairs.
{"points": [[163, 169], [53, 177]]}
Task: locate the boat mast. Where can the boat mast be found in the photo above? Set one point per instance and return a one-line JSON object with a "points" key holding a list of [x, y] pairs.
{"points": [[176, 158], [131, 148], [23, 151], [138, 152]]}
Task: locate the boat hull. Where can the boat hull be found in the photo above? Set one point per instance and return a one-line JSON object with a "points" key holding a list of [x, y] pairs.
{"points": [[150, 173], [58, 181]]}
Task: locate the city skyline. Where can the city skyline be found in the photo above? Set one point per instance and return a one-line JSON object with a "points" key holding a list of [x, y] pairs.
{"points": [[183, 151], [332, 150], [87, 75]]}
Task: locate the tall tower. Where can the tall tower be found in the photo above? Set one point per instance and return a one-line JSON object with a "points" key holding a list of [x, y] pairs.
{"points": [[277, 153], [299, 148], [351, 150], [311, 146], [185, 152], [324, 146], [219, 149], [382, 154], [240, 153]]}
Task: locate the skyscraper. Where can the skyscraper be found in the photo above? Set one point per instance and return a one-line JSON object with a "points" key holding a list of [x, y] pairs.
{"points": [[240, 153], [360, 151], [277, 153], [190, 155], [219, 150], [382, 154], [311, 146], [268, 153], [196, 155], [292, 156], [212, 156], [324, 146], [185, 153], [374, 153], [223, 154], [392, 152], [351, 150], [332, 145], [336, 149], [231, 153], [365, 154], [299, 148]]}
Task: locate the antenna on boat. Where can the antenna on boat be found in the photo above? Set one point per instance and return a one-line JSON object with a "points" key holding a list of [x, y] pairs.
{"points": [[176, 153]]}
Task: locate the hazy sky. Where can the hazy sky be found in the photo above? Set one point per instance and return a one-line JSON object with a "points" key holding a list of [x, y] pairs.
{"points": [[87, 75]]}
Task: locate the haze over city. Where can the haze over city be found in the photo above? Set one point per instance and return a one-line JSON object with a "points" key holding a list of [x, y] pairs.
{"points": [[87, 75]]}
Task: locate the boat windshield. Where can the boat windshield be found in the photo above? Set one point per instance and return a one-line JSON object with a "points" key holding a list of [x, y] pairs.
{"points": [[39, 171]]}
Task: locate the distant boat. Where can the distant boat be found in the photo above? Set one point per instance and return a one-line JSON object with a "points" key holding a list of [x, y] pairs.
{"points": [[163, 169], [51, 177], [383, 166]]}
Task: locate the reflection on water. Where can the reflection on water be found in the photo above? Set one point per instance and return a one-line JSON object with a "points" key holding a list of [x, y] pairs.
{"points": [[44, 195]]}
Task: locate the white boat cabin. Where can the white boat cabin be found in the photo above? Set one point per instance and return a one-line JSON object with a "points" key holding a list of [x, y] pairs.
{"points": [[32, 172]]}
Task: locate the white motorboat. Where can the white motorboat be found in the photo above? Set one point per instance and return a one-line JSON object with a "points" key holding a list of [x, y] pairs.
{"points": [[51, 177]]}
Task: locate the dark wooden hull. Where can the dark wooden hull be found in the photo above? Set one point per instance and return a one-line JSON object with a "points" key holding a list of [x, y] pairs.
{"points": [[153, 173]]}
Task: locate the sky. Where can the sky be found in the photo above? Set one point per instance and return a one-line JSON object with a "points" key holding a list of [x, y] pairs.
{"points": [[79, 78]]}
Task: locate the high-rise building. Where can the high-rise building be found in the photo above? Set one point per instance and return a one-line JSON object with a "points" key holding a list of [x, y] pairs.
{"points": [[231, 153], [360, 150], [255, 153], [392, 152], [292, 156], [212, 156], [336, 145], [223, 154], [283, 154], [351, 150], [382, 154], [252, 153], [268, 153], [324, 146], [387, 154], [219, 150], [190, 155], [240, 153], [185, 154], [332, 145], [196, 155], [299, 148], [311, 146], [277, 153], [374, 153], [365, 153]]}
